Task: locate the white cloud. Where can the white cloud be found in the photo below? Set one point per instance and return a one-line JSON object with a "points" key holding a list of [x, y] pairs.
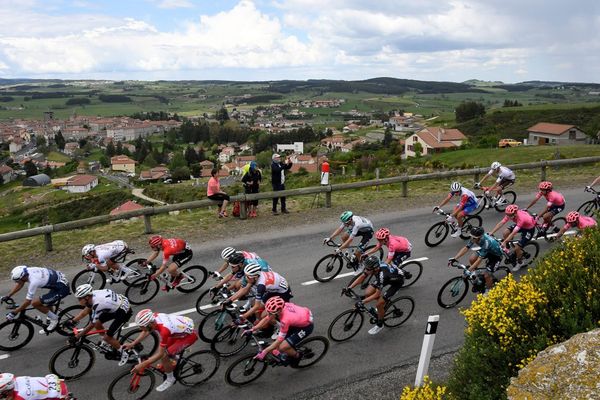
{"points": [[175, 4]]}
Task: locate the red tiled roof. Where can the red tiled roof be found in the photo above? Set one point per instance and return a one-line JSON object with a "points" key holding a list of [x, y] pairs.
{"points": [[549, 128], [121, 160], [81, 180], [309, 167], [127, 206]]}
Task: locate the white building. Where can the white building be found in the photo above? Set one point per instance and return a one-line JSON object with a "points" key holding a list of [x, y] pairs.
{"points": [[296, 147], [80, 183]]}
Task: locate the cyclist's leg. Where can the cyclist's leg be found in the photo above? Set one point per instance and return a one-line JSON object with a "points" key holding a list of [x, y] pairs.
{"points": [[365, 237], [293, 338], [526, 235], [119, 319]]}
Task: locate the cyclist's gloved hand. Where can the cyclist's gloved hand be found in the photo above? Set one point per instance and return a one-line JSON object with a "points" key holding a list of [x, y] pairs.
{"points": [[10, 316], [226, 302], [345, 291], [435, 209], [213, 290], [217, 275], [338, 250], [247, 332], [452, 260], [326, 240], [261, 356], [69, 324], [240, 321], [91, 266], [588, 188], [3, 299], [359, 304]]}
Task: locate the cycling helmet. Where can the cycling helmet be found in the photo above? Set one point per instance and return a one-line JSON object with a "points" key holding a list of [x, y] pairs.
{"points": [[371, 262], [496, 165], [546, 185], [144, 317], [455, 187], [83, 290], [382, 234], [7, 382], [274, 304], [346, 216], [19, 272], [477, 231], [572, 217], [155, 241], [236, 258], [227, 252], [252, 269], [511, 209], [87, 249]]}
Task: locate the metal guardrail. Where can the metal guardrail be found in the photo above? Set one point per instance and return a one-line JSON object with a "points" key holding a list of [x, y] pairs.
{"points": [[148, 212]]}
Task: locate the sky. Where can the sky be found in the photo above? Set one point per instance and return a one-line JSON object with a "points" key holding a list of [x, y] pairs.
{"points": [[256, 40]]}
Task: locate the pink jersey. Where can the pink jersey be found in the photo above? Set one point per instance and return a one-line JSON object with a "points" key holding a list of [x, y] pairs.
{"points": [[554, 198], [584, 222], [293, 316], [170, 247], [523, 219], [398, 244]]}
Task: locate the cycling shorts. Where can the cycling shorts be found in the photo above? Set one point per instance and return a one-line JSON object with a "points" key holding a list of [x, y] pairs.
{"points": [[183, 257], [505, 182], [492, 262], [556, 209], [286, 296], [176, 345], [399, 257], [365, 235], [296, 335], [55, 294], [526, 235], [119, 318], [469, 208]]}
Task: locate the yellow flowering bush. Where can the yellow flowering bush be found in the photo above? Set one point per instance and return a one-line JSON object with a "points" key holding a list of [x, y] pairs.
{"points": [[428, 391]]}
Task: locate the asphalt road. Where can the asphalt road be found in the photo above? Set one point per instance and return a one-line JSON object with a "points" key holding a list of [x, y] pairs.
{"points": [[293, 251]]}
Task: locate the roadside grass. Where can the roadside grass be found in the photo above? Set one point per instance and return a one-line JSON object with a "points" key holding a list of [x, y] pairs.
{"points": [[58, 157]]}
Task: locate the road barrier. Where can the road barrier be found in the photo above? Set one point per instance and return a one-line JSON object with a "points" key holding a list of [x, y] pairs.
{"points": [[148, 212]]}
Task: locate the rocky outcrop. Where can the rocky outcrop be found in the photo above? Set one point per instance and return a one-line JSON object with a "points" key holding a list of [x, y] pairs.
{"points": [[569, 370]]}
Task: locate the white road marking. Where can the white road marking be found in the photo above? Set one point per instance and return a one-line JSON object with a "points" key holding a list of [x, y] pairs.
{"points": [[351, 273], [4, 356]]}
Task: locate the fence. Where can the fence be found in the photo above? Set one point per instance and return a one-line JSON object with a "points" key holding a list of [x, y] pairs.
{"points": [[148, 212]]}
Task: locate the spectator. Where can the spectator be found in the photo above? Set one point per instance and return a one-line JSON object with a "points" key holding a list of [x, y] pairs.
{"points": [[214, 192], [251, 180], [278, 180]]}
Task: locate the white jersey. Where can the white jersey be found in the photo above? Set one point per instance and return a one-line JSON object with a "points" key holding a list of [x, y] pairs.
{"points": [[505, 173], [177, 325], [39, 388], [106, 301], [271, 282], [43, 278], [360, 224], [106, 251]]}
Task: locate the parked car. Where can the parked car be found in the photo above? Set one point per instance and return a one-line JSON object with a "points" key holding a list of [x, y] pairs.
{"points": [[509, 143]]}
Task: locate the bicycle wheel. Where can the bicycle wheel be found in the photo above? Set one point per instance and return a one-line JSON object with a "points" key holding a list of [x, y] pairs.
{"points": [[244, 370], [145, 348], [213, 323], [206, 302], [72, 362], [328, 267], [345, 325], [141, 291], [196, 276], [453, 292], [131, 386], [471, 221], [530, 253], [15, 334], [398, 311], [436, 234], [379, 252], [501, 273], [66, 314], [229, 341], [138, 267], [557, 225], [312, 350], [510, 198], [197, 368], [481, 203], [95, 278], [415, 269], [588, 208]]}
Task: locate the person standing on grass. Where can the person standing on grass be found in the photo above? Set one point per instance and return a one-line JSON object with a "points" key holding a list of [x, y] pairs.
{"points": [[278, 180], [214, 192], [251, 180]]}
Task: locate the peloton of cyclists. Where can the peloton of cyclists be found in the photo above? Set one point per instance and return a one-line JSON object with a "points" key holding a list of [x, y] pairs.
{"points": [[237, 260], [399, 248], [466, 205], [49, 387], [522, 222], [103, 257], [574, 219], [354, 226], [505, 177], [554, 205], [176, 252]]}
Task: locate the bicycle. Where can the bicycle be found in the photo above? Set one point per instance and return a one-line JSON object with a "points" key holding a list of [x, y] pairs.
{"points": [[439, 231], [589, 208], [98, 278], [18, 333], [216, 320], [144, 289], [77, 358], [412, 272], [211, 298], [457, 287], [230, 340], [397, 312], [190, 370], [247, 368], [329, 266], [550, 232], [488, 200]]}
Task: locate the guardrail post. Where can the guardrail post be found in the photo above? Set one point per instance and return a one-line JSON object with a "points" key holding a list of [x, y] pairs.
{"points": [[543, 172], [405, 189], [476, 176], [243, 209], [48, 240], [147, 223], [328, 199], [377, 177]]}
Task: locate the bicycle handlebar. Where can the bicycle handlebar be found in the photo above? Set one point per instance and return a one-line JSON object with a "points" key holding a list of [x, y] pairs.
{"points": [[10, 303]]}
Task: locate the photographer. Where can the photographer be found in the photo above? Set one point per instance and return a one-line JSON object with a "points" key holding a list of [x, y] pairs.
{"points": [[278, 179]]}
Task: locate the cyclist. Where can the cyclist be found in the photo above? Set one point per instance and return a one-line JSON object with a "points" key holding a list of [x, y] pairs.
{"points": [[398, 248], [354, 226], [237, 261], [383, 275], [295, 324], [524, 223], [574, 219], [49, 387], [176, 332], [468, 203], [555, 204], [104, 256], [104, 305], [489, 249], [505, 178], [44, 278], [594, 182], [176, 252]]}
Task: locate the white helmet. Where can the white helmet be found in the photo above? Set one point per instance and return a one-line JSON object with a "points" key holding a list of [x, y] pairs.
{"points": [[18, 273], [7, 382], [252, 269], [144, 317], [83, 290], [496, 165], [455, 186], [87, 249], [227, 252]]}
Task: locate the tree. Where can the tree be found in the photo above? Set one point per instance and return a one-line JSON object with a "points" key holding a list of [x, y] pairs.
{"points": [[222, 115], [387, 137], [104, 161], [180, 174], [82, 142], [196, 170], [59, 139], [119, 149], [30, 168], [418, 149], [178, 161], [110, 150], [468, 110], [1, 180], [191, 156]]}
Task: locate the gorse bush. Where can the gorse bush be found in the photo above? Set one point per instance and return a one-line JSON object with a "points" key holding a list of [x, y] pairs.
{"points": [[508, 327], [428, 391]]}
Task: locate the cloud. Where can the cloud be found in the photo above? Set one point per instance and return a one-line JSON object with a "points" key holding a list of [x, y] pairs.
{"points": [[175, 4]]}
